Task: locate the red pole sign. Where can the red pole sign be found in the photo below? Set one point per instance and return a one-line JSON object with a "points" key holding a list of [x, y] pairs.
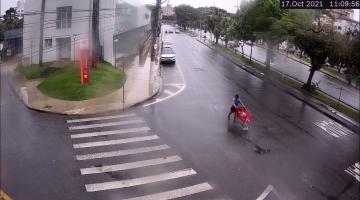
{"points": [[84, 65]]}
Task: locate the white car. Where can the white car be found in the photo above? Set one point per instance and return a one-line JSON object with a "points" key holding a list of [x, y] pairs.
{"points": [[177, 31], [167, 55], [166, 44]]}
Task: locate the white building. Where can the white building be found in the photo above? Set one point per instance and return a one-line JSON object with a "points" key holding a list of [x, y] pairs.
{"points": [[344, 25], [168, 10], [68, 21]]}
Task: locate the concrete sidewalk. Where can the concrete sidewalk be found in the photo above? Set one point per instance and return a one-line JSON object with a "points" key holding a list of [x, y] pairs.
{"points": [[143, 82]]}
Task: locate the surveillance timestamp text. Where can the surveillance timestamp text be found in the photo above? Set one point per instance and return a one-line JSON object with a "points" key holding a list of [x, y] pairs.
{"points": [[320, 4]]}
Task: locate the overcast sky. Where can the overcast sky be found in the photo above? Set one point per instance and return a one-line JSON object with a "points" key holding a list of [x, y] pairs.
{"points": [[229, 5]]}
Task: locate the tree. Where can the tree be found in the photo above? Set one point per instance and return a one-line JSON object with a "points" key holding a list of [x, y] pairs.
{"points": [[11, 19], [243, 25], [215, 23], [317, 46], [186, 15], [265, 16]]}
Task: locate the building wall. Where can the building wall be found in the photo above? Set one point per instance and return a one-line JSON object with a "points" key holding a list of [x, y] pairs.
{"points": [[79, 28], [343, 25], [111, 23]]}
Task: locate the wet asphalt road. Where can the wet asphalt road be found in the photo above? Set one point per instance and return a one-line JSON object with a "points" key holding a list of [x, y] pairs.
{"points": [[304, 162], [349, 94]]}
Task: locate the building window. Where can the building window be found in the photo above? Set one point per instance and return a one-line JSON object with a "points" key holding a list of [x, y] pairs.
{"points": [[63, 17], [48, 43]]}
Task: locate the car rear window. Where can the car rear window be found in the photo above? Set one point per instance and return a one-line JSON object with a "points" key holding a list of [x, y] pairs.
{"points": [[167, 51]]}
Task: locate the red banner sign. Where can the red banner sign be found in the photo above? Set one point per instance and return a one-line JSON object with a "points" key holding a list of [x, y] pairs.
{"points": [[84, 65]]}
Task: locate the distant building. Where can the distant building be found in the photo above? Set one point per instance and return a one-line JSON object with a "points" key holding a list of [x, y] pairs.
{"points": [[344, 25], [68, 21], [342, 13], [13, 40], [341, 20], [168, 10]]}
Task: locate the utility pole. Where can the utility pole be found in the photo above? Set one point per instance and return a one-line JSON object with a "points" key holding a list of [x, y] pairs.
{"points": [[155, 28], [41, 45], [95, 34]]}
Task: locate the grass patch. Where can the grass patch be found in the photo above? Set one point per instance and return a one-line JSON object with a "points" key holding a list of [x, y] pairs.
{"points": [[35, 71], [348, 111], [65, 83], [340, 107]]}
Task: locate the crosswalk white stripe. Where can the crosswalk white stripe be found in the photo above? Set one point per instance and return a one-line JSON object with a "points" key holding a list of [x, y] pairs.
{"points": [[172, 194], [110, 154], [105, 124], [353, 173], [113, 142], [333, 132], [115, 132], [132, 165], [100, 118], [138, 181], [338, 129], [323, 128]]}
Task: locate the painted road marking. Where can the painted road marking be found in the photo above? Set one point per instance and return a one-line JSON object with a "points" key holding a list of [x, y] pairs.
{"points": [[115, 132], [106, 124], [132, 165], [354, 171], [168, 92], [332, 128], [4, 196], [113, 142], [177, 85], [267, 191], [110, 154], [172, 194], [100, 118], [139, 181], [183, 86]]}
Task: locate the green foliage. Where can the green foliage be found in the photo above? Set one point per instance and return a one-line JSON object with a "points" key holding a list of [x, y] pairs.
{"points": [[35, 71], [186, 16], [11, 19], [65, 83], [218, 23], [317, 46]]}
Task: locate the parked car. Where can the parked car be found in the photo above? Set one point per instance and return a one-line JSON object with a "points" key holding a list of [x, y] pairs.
{"points": [[167, 44], [170, 31], [167, 55], [177, 31]]}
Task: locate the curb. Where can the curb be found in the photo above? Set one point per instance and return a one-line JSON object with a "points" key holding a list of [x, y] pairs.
{"points": [[314, 104], [307, 64], [16, 89]]}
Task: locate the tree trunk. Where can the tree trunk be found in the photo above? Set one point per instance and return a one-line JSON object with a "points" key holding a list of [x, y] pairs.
{"points": [[312, 72], [216, 39], [268, 57], [242, 50], [251, 52]]}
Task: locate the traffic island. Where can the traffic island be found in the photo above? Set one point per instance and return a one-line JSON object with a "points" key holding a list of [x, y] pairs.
{"points": [[109, 88], [64, 84]]}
